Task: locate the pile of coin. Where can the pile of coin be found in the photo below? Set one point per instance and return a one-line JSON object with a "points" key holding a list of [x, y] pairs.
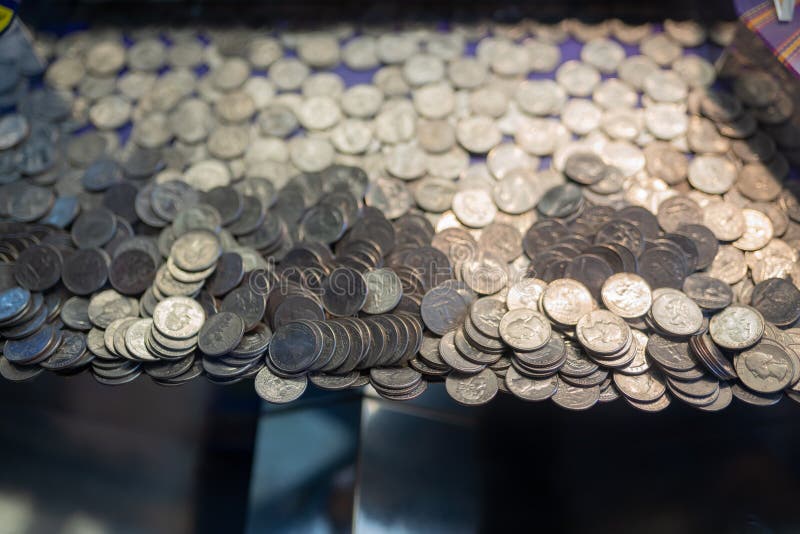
{"points": [[313, 285], [227, 203]]}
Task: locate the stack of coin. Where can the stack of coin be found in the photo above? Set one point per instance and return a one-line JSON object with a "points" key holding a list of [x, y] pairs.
{"points": [[543, 362], [331, 350], [173, 332], [229, 354], [191, 261], [674, 314], [23, 312], [32, 348], [111, 314], [428, 361], [704, 349], [676, 362], [606, 338], [395, 384]]}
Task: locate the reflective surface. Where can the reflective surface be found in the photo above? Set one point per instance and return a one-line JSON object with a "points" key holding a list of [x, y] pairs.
{"points": [[78, 457], [430, 465], [82, 458]]}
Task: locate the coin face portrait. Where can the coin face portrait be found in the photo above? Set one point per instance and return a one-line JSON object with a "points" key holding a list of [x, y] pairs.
{"points": [[678, 314], [602, 331], [493, 316], [567, 300], [278, 390], [178, 317], [524, 329], [472, 389], [676, 308], [114, 309], [765, 367], [627, 295], [520, 329], [736, 329]]}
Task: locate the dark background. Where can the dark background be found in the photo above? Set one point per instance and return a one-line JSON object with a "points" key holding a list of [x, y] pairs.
{"points": [[204, 458], [57, 13]]}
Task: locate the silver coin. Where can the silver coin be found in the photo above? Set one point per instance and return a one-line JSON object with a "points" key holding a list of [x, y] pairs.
{"points": [[765, 368], [472, 390], [602, 332], [178, 317], [517, 191], [105, 58], [278, 390], [566, 301], [736, 327], [384, 291], [13, 129], [450, 355], [525, 329], [135, 340], [478, 134], [575, 398], [485, 274], [108, 306], [577, 78], [640, 362], [474, 208], [525, 294], [646, 387], [627, 295], [712, 174], [530, 389], [196, 250], [677, 314], [758, 231]]}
